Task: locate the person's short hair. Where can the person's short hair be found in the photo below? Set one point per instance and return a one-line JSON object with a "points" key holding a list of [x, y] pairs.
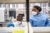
{"points": [[38, 8], [21, 15]]}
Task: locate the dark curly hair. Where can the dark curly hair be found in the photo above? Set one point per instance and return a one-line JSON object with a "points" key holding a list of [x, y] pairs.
{"points": [[38, 8]]}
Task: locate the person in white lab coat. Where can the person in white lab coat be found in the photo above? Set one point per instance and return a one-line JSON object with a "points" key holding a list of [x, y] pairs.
{"points": [[19, 22]]}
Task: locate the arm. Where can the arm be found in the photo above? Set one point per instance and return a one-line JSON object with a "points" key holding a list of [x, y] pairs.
{"points": [[46, 23]]}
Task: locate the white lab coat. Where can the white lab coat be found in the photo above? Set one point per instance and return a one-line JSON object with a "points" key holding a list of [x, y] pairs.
{"points": [[20, 24]]}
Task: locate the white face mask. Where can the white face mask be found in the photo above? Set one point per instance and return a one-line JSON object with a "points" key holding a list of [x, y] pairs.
{"points": [[34, 13]]}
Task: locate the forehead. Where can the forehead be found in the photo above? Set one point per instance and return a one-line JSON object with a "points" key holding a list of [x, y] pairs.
{"points": [[19, 16], [34, 9]]}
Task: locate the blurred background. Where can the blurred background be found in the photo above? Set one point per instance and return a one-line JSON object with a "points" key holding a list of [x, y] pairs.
{"points": [[10, 9]]}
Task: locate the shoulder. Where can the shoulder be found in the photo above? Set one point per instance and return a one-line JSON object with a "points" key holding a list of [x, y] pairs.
{"points": [[31, 17], [44, 15]]}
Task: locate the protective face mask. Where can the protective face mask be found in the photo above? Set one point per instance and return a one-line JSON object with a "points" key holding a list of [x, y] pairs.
{"points": [[34, 13]]}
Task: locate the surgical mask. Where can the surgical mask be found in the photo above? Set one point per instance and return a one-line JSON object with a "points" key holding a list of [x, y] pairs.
{"points": [[34, 13]]}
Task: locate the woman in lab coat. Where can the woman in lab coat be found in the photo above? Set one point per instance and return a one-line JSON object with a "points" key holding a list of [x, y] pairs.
{"points": [[38, 19]]}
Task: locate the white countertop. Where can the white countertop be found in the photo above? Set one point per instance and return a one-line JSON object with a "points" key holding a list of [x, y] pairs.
{"points": [[11, 29], [35, 29], [41, 29]]}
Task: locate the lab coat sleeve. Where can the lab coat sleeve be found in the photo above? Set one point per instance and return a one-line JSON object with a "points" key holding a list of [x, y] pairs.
{"points": [[46, 22]]}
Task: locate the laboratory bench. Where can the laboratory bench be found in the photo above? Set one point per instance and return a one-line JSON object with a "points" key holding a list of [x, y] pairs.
{"points": [[13, 29], [41, 30], [35, 29]]}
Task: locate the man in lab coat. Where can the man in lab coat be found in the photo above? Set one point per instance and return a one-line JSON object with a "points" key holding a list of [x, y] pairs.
{"points": [[38, 19], [19, 22]]}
